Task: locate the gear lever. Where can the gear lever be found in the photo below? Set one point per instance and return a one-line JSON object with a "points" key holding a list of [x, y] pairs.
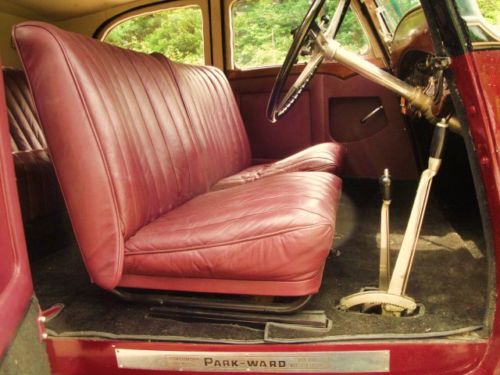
{"points": [[385, 250]]}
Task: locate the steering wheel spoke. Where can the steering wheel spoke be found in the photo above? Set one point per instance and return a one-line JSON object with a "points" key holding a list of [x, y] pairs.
{"points": [[300, 84], [305, 42], [276, 108]]}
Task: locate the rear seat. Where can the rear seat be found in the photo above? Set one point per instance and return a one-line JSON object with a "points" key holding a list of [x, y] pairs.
{"points": [[44, 213]]}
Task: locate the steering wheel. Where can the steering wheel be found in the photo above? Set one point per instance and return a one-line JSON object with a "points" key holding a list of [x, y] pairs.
{"points": [[318, 42], [304, 38]]}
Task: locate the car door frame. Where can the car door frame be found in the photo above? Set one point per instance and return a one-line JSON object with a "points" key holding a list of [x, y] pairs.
{"points": [[18, 308]]}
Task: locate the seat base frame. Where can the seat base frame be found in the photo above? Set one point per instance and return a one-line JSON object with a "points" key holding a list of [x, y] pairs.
{"points": [[311, 319], [220, 304], [292, 288]]}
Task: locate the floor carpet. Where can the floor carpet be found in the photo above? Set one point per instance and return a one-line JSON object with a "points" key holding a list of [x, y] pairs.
{"points": [[449, 278]]}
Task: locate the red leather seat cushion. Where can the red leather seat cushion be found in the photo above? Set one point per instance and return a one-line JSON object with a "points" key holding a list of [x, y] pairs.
{"points": [[324, 157], [214, 117], [277, 231]]}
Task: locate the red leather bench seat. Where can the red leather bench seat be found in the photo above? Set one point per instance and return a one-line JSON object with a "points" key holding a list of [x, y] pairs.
{"points": [[136, 168]]}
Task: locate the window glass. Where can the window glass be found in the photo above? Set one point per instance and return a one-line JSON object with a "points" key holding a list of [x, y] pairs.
{"points": [[177, 33], [351, 35], [394, 11], [262, 30]]}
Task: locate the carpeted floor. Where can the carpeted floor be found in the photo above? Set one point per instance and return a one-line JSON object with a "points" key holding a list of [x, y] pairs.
{"points": [[449, 277]]}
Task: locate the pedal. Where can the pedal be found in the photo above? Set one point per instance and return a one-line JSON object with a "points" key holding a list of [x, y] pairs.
{"points": [[390, 304], [52, 312]]}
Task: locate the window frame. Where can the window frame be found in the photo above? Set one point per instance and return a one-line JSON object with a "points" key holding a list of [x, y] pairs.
{"points": [[204, 6]]}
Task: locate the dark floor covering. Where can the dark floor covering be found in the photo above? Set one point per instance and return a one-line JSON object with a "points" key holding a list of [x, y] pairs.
{"points": [[448, 277]]}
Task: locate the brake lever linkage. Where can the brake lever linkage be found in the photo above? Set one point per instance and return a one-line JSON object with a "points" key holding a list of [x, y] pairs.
{"points": [[390, 297]]}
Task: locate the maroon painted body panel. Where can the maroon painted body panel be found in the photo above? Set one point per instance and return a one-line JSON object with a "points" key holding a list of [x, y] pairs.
{"points": [[79, 357], [16, 286], [477, 79]]}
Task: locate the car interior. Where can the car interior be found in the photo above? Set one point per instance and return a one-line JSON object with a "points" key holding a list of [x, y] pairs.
{"points": [[334, 196]]}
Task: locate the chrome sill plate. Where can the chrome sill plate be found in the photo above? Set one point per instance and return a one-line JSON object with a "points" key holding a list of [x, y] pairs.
{"points": [[279, 362]]}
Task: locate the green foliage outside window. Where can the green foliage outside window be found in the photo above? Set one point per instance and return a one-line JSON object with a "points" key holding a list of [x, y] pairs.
{"points": [[177, 33], [262, 30], [490, 10]]}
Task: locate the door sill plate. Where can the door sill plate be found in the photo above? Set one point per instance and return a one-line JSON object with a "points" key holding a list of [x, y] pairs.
{"points": [[278, 362]]}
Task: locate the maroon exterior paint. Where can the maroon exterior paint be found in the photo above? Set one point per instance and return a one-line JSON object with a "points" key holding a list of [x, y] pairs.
{"points": [[16, 286], [478, 82], [79, 357]]}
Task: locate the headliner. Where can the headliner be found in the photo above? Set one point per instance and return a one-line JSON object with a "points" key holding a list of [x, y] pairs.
{"points": [[59, 10]]}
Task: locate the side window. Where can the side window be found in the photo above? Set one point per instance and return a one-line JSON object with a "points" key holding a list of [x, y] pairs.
{"points": [[351, 35], [261, 30], [176, 32]]}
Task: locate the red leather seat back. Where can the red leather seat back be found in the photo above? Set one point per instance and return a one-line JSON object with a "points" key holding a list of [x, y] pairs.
{"points": [[215, 118], [25, 129], [128, 131]]}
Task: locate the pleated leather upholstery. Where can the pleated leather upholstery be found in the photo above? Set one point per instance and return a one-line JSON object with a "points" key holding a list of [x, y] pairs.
{"points": [[37, 185], [119, 134], [25, 129], [38, 188], [270, 237], [136, 164], [218, 125], [215, 118]]}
